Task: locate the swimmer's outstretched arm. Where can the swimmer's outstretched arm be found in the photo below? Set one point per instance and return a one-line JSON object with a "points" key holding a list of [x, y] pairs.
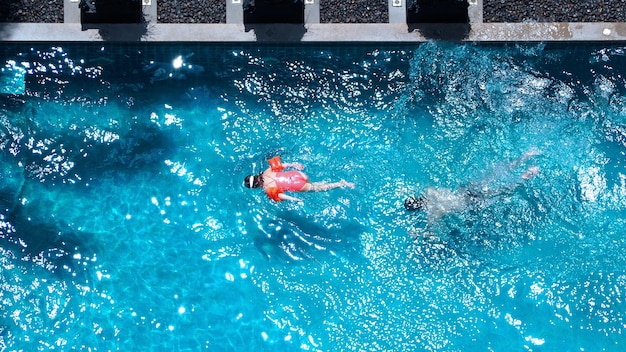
{"points": [[325, 186], [277, 165], [297, 166], [283, 196], [527, 175]]}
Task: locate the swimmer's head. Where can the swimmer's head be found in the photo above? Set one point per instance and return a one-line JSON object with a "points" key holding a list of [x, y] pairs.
{"points": [[253, 181], [413, 204]]}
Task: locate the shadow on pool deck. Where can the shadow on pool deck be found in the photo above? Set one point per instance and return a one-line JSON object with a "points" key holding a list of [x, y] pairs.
{"points": [[274, 20], [116, 32], [427, 16], [4, 30], [277, 32], [5, 18], [450, 32], [105, 15]]}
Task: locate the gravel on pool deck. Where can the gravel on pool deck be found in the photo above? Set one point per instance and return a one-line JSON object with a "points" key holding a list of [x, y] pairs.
{"points": [[554, 11]]}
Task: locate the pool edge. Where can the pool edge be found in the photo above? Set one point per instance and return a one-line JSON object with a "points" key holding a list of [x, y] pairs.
{"points": [[314, 32]]}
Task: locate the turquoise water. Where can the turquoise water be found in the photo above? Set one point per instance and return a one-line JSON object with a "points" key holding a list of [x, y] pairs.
{"points": [[125, 224]]}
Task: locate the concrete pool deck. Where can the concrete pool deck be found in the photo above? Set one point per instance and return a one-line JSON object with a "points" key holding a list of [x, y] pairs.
{"points": [[234, 30]]}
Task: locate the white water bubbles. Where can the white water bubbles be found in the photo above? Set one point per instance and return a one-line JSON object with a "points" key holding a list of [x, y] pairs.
{"points": [[607, 54]]}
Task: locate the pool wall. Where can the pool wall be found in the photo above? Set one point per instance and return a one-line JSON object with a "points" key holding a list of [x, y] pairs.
{"points": [[234, 30]]}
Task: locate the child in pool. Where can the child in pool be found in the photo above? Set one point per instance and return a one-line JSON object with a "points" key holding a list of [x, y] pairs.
{"points": [[276, 181], [438, 202]]}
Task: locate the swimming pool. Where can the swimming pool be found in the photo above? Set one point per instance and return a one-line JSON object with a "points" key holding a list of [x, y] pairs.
{"points": [[126, 226]]}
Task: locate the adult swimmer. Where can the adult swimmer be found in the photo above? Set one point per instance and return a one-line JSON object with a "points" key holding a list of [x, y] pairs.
{"points": [[438, 202], [277, 180]]}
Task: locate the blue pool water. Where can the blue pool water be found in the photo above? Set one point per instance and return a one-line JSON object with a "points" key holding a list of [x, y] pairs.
{"points": [[124, 223]]}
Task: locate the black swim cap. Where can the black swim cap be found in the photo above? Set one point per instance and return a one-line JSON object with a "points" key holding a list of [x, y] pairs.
{"points": [[253, 181], [413, 204]]}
